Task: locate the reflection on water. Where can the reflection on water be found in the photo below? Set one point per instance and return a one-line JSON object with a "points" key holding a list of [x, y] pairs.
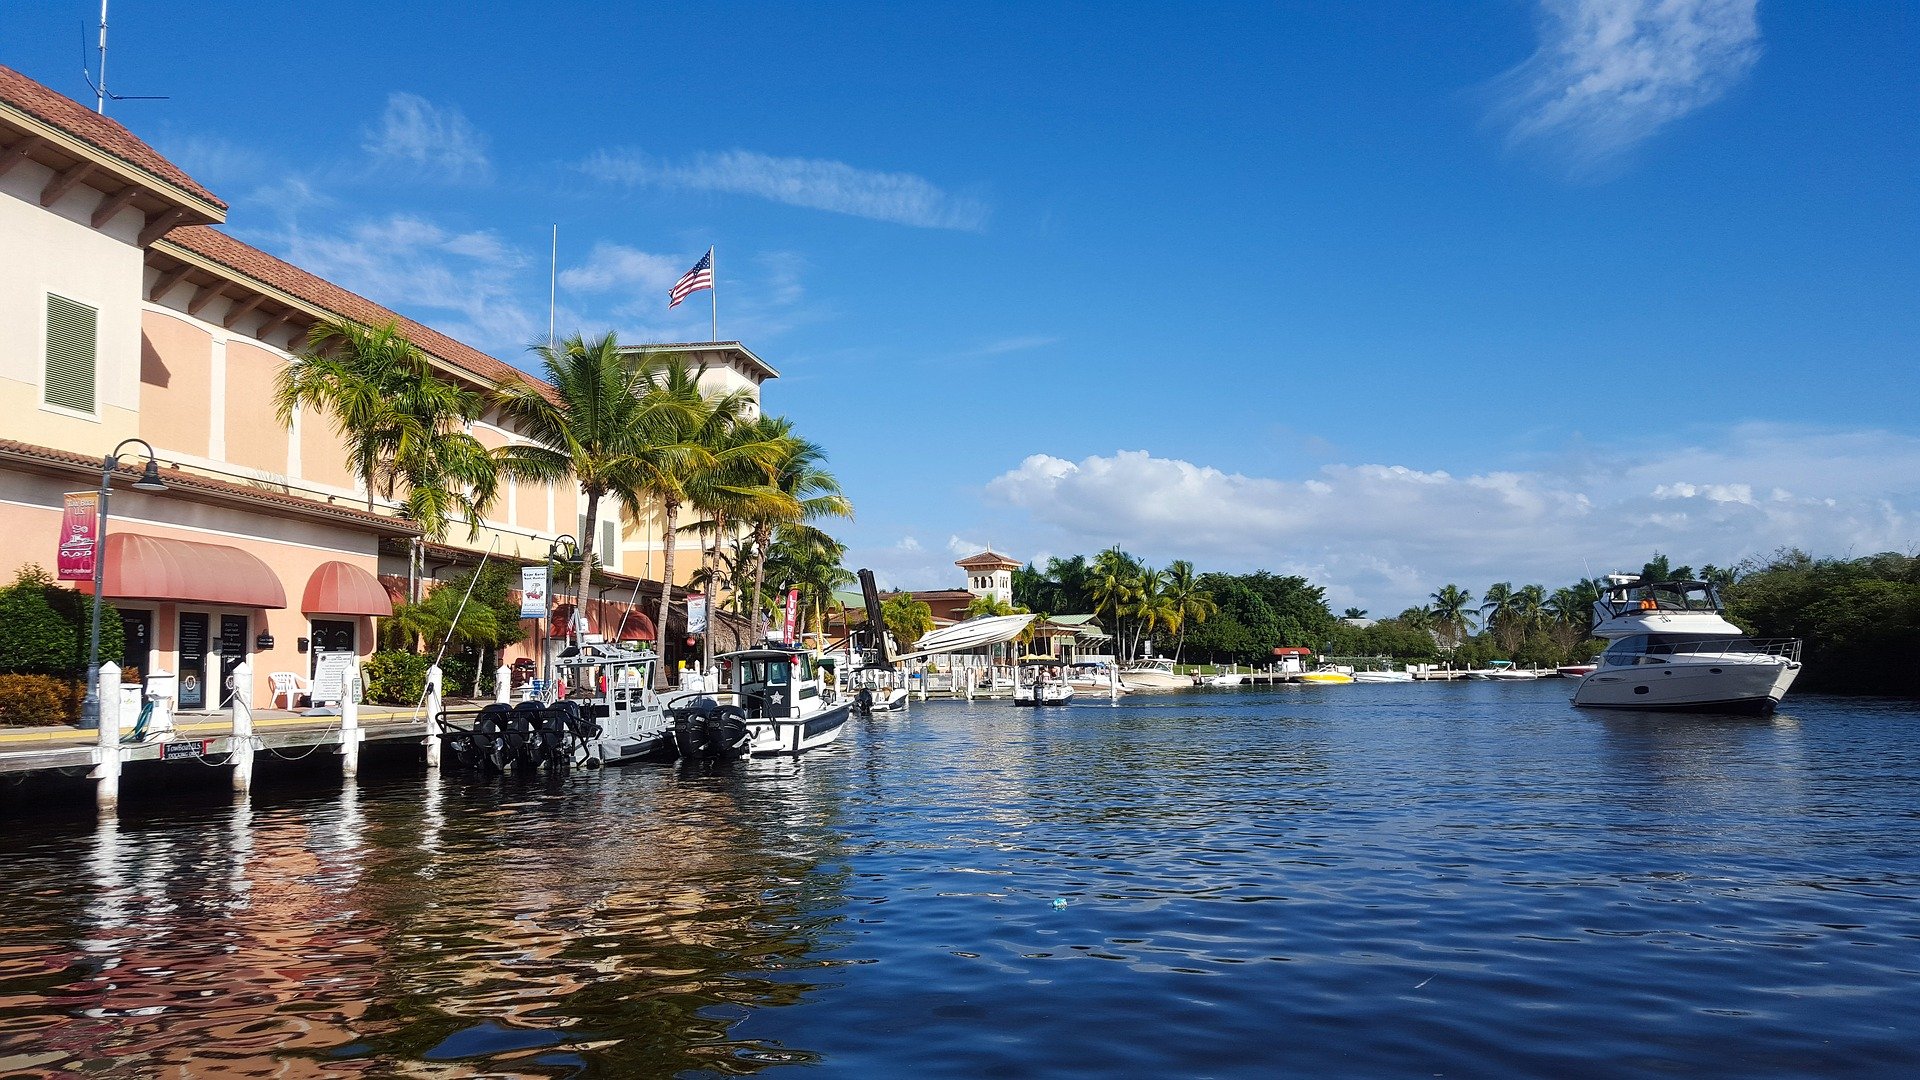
{"points": [[526, 926], [1372, 880]]}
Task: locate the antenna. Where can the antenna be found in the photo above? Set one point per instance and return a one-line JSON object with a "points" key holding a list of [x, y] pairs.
{"points": [[99, 88]]}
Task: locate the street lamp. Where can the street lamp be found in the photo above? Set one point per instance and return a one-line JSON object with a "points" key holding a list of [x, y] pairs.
{"points": [[149, 481]]}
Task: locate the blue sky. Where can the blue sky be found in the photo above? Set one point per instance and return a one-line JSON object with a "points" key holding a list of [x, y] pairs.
{"points": [[1425, 294]]}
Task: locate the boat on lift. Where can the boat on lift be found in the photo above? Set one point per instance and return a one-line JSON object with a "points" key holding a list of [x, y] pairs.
{"points": [[1670, 647]]}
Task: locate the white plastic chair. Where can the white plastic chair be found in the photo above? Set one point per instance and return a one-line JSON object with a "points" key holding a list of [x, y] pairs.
{"points": [[289, 685]]}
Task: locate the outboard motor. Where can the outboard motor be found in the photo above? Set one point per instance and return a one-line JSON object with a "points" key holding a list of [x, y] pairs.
{"points": [[727, 734], [863, 702], [690, 725]]}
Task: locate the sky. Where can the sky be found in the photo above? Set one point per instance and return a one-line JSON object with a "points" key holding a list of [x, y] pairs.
{"points": [[1389, 296]]}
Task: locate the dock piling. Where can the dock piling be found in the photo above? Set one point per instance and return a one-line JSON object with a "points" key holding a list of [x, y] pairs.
{"points": [[107, 768], [242, 741], [434, 705], [502, 685], [350, 722]]}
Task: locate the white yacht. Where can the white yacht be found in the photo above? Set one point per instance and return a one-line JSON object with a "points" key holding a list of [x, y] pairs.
{"points": [[1153, 673], [1671, 647]]}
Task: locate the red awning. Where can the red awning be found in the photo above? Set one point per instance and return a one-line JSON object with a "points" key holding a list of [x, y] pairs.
{"points": [[338, 588], [1292, 650], [636, 627], [152, 568], [561, 623]]}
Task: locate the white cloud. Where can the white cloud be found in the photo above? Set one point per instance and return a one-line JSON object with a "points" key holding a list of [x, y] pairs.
{"points": [[907, 543], [461, 283], [415, 134], [1383, 536], [1015, 344], [814, 183], [616, 267], [1610, 73], [961, 547]]}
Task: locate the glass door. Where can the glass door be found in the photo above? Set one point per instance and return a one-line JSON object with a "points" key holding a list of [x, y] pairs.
{"points": [[193, 660]]}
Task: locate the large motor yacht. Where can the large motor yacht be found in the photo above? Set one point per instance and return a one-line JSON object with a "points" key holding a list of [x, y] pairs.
{"points": [[1671, 647]]}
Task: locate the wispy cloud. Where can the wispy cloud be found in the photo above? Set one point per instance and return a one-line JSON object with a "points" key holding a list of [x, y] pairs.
{"points": [[464, 284], [1610, 73], [1384, 536], [428, 139], [1015, 344], [616, 267], [814, 183]]}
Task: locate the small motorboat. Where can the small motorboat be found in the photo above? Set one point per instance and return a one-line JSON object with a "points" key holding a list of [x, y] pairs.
{"points": [[1038, 680], [1326, 676], [1153, 673], [782, 703]]}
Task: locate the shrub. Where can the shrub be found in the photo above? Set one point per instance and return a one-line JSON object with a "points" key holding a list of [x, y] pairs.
{"points": [[44, 626], [38, 700], [395, 678]]}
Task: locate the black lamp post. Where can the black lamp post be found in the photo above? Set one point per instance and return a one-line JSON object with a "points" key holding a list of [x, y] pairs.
{"points": [[149, 481]]}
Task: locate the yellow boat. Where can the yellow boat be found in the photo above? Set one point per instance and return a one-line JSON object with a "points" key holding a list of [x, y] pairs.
{"points": [[1326, 677]]}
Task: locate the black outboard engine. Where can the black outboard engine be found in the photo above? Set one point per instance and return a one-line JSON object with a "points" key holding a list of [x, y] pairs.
{"points": [[727, 734], [863, 702], [690, 725]]}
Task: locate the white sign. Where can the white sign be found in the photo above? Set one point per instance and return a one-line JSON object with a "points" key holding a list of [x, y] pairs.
{"points": [[331, 672], [696, 614], [533, 592]]}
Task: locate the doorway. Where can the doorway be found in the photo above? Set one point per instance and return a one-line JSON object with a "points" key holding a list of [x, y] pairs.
{"points": [[193, 661], [233, 651], [137, 628]]}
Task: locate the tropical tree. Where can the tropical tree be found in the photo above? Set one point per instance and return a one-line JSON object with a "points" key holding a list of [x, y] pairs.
{"points": [[908, 619], [591, 424], [809, 560], [810, 491], [1453, 613], [404, 428], [1114, 587], [1187, 601], [688, 427], [1496, 610], [736, 486]]}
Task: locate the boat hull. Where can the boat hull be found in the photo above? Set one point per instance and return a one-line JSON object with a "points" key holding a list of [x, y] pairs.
{"points": [[797, 735], [1154, 680], [1728, 686], [1383, 676], [1325, 678], [1049, 696]]}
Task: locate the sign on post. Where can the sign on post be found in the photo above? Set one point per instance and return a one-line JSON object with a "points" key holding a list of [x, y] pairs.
{"points": [[793, 611], [533, 592], [79, 535], [331, 671], [696, 614]]}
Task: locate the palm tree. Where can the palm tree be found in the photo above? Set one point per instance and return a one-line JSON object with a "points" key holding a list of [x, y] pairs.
{"points": [[1150, 606], [812, 492], [811, 561], [687, 428], [736, 486], [1496, 608], [404, 427], [1453, 612], [1187, 600], [1112, 585], [592, 425], [1529, 612], [908, 619]]}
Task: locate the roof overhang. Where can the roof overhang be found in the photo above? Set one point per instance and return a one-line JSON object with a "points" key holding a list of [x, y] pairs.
{"points": [[732, 349], [61, 150]]}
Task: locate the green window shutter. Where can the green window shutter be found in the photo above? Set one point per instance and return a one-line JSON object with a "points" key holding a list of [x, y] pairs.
{"points": [[72, 337]]}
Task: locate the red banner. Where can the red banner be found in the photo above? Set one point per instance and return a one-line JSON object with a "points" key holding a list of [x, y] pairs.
{"points": [[79, 534], [793, 611]]}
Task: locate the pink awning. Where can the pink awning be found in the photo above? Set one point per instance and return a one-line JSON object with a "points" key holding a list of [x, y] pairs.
{"points": [[153, 568], [338, 588]]}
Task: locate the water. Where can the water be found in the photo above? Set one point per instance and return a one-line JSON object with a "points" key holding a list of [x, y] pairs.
{"points": [[1459, 880]]}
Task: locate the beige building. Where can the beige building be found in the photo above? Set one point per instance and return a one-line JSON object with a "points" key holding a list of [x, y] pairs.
{"points": [[125, 314]]}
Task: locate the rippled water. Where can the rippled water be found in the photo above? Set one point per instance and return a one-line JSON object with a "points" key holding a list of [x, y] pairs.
{"points": [[1463, 880]]}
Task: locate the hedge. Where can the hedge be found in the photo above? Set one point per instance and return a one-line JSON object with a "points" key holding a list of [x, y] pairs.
{"points": [[38, 700]]}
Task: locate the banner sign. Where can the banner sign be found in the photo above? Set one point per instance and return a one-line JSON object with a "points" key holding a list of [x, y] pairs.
{"points": [[533, 592], [696, 614], [79, 535], [793, 611]]}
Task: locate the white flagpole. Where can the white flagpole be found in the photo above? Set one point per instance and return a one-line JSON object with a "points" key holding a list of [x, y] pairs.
{"points": [[713, 267], [553, 283]]}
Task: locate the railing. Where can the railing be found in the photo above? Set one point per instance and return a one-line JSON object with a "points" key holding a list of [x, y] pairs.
{"points": [[1737, 650]]}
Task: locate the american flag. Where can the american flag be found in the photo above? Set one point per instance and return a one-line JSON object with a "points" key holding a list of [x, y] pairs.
{"points": [[700, 277]]}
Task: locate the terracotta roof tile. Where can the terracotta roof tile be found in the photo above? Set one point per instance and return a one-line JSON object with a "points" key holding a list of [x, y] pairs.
{"points": [[68, 461], [213, 244], [90, 127]]}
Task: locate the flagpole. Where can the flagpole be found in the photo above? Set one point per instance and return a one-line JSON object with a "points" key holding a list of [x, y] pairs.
{"points": [[553, 283], [714, 293]]}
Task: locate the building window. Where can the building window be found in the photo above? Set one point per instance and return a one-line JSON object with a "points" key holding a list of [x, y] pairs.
{"points": [[72, 336]]}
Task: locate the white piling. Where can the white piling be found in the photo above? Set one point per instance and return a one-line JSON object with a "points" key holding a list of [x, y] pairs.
{"points": [[435, 699], [970, 673], [503, 684], [242, 741], [350, 721], [107, 790]]}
